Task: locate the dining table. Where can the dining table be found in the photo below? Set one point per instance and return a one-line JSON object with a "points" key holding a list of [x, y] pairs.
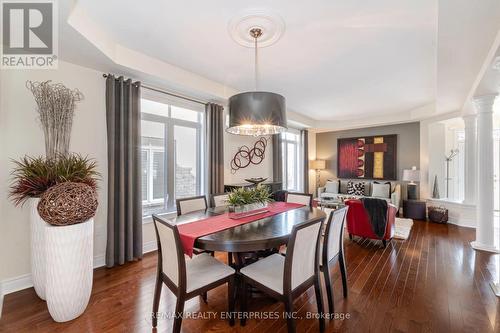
{"points": [[262, 234]]}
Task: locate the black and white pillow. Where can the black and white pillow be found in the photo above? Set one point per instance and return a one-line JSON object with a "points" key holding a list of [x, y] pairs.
{"points": [[356, 188]]}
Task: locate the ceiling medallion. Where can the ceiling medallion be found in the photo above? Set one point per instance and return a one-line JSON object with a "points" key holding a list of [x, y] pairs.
{"points": [[271, 24], [257, 112]]}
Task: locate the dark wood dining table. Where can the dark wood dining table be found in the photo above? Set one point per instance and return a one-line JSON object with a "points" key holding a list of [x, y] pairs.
{"points": [[266, 233]]}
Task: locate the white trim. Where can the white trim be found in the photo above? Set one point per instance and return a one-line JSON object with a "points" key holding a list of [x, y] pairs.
{"points": [[16, 283], [150, 246], [24, 281], [483, 247], [459, 213], [496, 288]]}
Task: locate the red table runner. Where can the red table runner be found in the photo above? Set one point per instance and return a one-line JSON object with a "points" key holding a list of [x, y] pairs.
{"points": [[190, 231]]}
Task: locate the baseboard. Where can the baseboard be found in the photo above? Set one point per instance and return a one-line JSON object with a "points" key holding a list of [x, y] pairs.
{"points": [[24, 281], [149, 246], [16, 283]]}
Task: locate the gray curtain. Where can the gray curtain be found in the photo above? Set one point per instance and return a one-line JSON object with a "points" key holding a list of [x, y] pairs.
{"points": [[123, 119], [277, 159], [215, 150], [304, 134]]}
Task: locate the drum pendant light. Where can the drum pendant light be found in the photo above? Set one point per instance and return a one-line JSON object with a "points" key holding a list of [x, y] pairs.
{"points": [[257, 112]]}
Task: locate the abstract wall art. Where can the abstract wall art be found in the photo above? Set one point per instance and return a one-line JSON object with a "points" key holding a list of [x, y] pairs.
{"points": [[369, 157]]}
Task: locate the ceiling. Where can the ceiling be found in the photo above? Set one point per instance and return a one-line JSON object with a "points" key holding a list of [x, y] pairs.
{"points": [[336, 60]]}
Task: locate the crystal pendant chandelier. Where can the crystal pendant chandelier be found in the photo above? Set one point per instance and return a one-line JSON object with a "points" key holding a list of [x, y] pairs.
{"points": [[257, 112]]}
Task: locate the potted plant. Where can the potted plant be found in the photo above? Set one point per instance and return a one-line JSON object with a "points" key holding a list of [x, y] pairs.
{"points": [[61, 193], [244, 202]]}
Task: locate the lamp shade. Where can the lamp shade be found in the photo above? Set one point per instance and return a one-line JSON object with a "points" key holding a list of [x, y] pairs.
{"points": [[257, 113], [411, 175], [317, 164]]}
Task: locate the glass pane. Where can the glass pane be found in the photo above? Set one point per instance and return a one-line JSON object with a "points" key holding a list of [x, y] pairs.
{"points": [[184, 114], [291, 167], [144, 174], [158, 175], [152, 107], [186, 176], [153, 167]]}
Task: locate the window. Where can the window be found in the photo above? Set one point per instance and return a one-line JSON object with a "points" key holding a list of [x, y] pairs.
{"points": [[292, 157], [171, 152]]}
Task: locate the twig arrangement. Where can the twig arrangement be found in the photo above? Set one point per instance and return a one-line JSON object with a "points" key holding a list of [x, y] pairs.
{"points": [[56, 108]]}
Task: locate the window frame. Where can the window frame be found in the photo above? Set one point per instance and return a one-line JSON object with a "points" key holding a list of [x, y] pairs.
{"points": [[169, 123]]}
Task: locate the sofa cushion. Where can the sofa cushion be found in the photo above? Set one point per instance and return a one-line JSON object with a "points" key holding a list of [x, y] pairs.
{"points": [[381, 190], [357, 188], [343, 186], [332, 186]]}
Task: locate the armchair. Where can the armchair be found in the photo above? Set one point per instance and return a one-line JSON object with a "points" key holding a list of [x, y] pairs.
{"points": [[358, 221]]}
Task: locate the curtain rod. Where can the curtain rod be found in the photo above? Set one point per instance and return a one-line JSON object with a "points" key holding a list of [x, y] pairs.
{"points": [[167, 92]]}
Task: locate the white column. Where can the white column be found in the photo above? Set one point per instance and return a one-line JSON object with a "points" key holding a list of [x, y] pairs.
{"points": [[485, 239], [470, 157]]}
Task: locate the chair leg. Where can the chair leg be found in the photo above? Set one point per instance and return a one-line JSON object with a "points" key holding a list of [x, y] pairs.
{"points": [[343, 272], [179, 310], [290, 321], [319, 302], [204, 297], [230, 300], [329, 291], [384, 243], [230, 259], [243, 301], [156, 300], [350, 236]]}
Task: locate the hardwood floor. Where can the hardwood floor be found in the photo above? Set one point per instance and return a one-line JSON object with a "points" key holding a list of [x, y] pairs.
{"points": [[433, 282]]}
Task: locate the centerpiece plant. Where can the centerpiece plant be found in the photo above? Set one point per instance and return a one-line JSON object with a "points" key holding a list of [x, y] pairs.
{"points": [[244, 199]]}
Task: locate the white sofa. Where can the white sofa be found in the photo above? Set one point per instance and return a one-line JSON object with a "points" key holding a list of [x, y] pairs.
{"points": [[394, 198]]}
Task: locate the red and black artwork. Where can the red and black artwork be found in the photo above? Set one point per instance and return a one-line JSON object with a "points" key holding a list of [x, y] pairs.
{"points": [[369, 157], [246, 156]]}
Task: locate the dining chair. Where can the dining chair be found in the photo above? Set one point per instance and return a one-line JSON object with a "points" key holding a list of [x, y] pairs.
{"points": [[300, 198], [286, 278], [219, 200], [186, 279], [191, 204], [333, 252]]}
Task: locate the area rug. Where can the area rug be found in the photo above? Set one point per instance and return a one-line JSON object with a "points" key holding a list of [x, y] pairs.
{"points": [[402, 228]]}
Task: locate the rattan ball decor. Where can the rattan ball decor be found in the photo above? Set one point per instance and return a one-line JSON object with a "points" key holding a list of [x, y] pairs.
{"points": [[68, 203]]}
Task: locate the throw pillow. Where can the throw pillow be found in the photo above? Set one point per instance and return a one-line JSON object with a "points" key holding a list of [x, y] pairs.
{"points": [[381, 190], [332, 186], [356, 188]]}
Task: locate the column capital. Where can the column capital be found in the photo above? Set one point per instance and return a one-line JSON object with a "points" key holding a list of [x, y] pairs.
{"points": [[484, 104]]}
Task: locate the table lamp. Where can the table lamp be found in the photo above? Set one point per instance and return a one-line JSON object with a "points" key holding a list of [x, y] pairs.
{"points": [[318, 165], [411, 175]]}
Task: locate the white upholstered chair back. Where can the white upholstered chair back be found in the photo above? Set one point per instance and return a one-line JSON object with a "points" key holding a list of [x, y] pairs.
{"points": [[303, 254], [219, 200], [169, 254], [335, 229], [191, 204], [299, 198]]}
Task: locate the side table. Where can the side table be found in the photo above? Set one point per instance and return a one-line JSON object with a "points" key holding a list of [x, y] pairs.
{"points": [[414, 209]]}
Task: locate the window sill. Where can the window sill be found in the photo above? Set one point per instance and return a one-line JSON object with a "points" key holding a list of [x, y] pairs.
{"points": [[149, 219]]}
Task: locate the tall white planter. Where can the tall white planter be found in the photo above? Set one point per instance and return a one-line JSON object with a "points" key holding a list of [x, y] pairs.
{"points": [[37, 226], [69, 264], [62, 264]]}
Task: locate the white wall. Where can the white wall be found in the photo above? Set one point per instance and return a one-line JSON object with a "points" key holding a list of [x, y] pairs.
{"points": [[312, 157], [20, 134], [231, 145]]}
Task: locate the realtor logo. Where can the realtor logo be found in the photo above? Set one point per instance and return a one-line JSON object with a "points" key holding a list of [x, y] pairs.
{"points": [[29, 35]]}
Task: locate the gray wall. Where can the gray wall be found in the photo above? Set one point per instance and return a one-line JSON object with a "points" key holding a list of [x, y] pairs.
{"points": [[408, 150]]}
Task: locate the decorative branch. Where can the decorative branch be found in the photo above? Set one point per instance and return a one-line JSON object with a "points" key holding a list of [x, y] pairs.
{"points": [[56, 108]]}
